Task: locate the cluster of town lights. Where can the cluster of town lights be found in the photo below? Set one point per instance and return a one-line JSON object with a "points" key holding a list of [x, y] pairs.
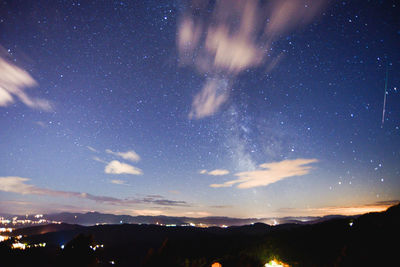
{"points": [[96, 247], [16, 221]]}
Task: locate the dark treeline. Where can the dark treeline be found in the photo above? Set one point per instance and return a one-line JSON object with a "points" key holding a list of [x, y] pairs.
{"points": [[368, 240]]}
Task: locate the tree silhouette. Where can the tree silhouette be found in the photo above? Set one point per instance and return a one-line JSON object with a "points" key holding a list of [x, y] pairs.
{"points": [[78, 252]]}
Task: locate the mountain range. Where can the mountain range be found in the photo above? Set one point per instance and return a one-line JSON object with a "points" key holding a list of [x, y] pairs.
{"points": [[93, 218]]}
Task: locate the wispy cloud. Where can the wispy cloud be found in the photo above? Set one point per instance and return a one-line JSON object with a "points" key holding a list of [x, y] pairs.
{"points": [[128, 155], [198, 213], [148, 212], [269, 173], [235, 36], [19, 185], [117, 167], [159, 200], [221, 206], [13, 81], [100, 160], [41, 124], [25, 207], [119, 182], [92, 149], [209, 99], [216, 172]]}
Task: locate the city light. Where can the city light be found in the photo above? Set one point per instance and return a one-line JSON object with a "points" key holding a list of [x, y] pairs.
{"points": [[276, 263], [36, 219], [3, 238], [40, 245], [93, 247], [4, 221], [18, 246]]}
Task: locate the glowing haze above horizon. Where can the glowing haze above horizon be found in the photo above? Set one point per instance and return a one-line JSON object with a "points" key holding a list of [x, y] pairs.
{"points": [[201, 108]]}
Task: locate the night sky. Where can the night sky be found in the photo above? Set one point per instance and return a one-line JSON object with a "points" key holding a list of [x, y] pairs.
{"points": [[203, 108]]}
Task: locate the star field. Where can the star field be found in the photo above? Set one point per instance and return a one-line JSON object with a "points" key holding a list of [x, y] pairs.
{"points": [[199, 108]]}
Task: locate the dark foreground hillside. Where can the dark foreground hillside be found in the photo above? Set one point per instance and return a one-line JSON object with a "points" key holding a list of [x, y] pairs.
{"points": [[368, 240]]}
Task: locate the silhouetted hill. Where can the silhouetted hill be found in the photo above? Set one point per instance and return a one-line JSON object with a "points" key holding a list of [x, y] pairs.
{"points": [[366, 240], [43, 229], [95, 218], [92, 218]]}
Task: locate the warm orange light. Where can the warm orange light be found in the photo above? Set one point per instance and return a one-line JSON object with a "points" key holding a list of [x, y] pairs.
{"points": [[276, 263], [216, 264], [18, 246]]}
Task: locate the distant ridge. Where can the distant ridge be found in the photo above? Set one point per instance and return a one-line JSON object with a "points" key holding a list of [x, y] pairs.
{"points": [[95, 218], [338, 241]]}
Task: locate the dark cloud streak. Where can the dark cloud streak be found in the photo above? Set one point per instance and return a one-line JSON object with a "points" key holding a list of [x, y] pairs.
{"points": [[18, 185]]}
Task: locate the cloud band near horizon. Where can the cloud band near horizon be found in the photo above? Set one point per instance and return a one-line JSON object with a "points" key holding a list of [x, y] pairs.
{"points": [[18, 185]]}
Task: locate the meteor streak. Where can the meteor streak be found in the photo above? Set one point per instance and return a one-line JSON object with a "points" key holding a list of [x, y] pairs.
{"points": [[384, 96]]}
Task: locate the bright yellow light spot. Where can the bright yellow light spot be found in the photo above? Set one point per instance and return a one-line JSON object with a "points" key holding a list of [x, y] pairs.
{"points": [[276, 263], [216, 264], [18, 246]]}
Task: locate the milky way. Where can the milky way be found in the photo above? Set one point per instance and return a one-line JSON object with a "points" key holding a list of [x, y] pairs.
{"points": [[226, 108]]}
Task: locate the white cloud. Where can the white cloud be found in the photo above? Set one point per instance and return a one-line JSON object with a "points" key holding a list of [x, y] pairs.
{"points": [[5, 98], [232, 37], [13, 82], [235, 50], [189, 34], [128, 155], [116, 167], [16, 185], [216, 172], [269, 173], [288, 14]]}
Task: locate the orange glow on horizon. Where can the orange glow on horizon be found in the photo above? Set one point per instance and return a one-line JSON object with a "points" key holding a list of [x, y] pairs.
{"points": [[276, 263], [351, 210], [335, 210]]}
